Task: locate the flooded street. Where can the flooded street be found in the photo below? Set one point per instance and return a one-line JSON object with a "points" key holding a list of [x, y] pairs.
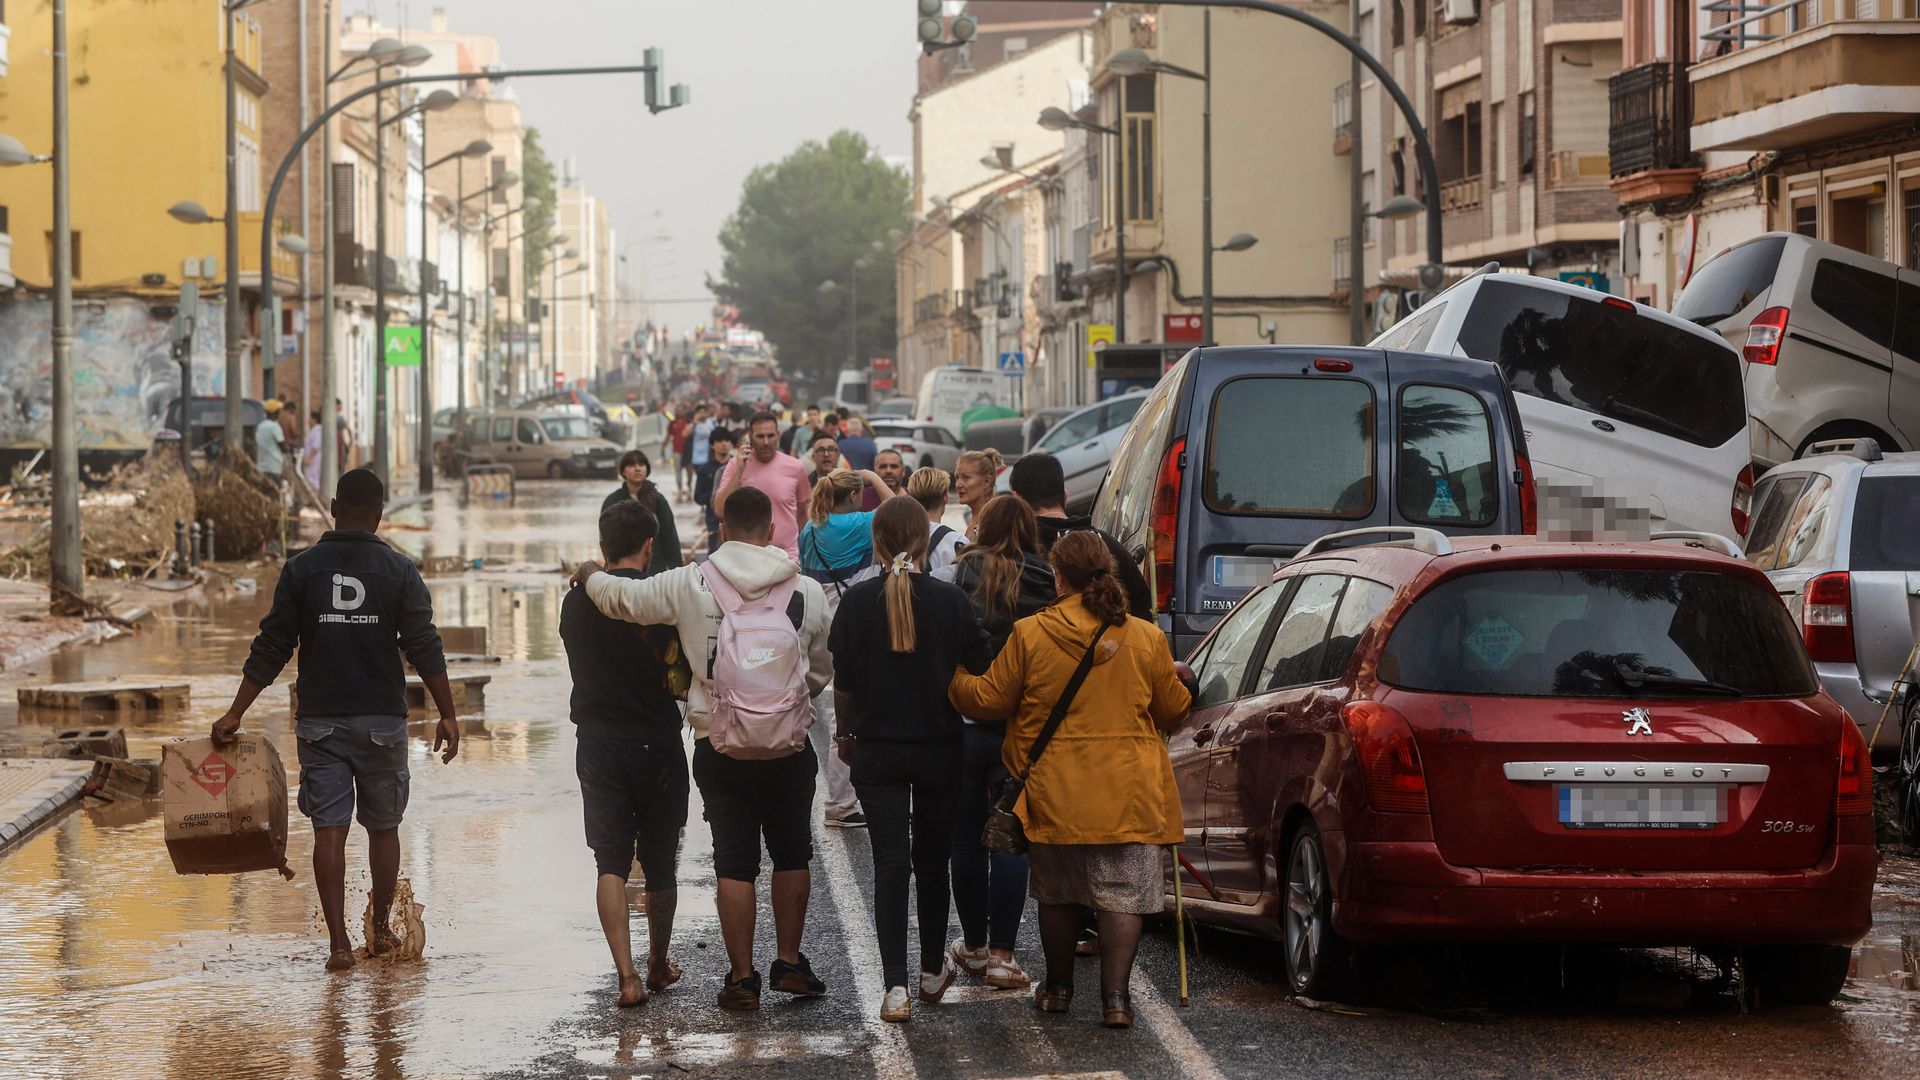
{"points": [[111, 964]]}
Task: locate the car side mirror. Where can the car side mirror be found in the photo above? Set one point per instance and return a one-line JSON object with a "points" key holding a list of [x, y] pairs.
{"points": [[1187, 678]]}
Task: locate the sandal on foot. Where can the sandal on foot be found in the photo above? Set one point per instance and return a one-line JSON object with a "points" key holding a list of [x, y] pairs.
{"points": [[1118, 1008], [1053, 997]]}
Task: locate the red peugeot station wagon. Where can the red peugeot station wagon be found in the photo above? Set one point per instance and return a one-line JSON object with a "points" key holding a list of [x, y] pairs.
{"points": [[1406, 737]]}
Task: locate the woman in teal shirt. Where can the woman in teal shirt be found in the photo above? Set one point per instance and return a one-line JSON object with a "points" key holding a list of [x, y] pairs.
{"points": [[836, 543]]}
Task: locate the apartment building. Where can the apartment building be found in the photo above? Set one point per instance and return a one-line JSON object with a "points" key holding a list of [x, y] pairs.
{"points": [[1741, 117], [583, 301]]}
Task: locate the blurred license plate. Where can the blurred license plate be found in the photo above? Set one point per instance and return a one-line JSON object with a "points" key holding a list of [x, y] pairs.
{"points": [[1243, 571], [1647, 806]]}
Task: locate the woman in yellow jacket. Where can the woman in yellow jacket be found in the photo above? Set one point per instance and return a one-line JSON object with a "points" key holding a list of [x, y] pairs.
{"points": [[1100, 805]]}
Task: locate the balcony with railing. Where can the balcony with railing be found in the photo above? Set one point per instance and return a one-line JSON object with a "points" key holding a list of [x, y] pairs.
{"points": [[286, 265], [1343, 118], [1775, 76], [1648, 154], [1464, 194]]}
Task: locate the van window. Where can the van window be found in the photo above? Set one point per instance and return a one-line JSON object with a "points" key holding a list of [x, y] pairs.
{"points": [[1608, 360], [1730, 281], [1801, 534], [1886, 524], [1280, 445], [1412, 335], [1446, 473], [1593, 633], [529, 432], [1126, 497], [502, 429], [1293, 658], [1862, 300], [1223, 668]]}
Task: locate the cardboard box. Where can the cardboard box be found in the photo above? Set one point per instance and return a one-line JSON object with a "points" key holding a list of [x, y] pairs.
{"points": [[226, 806]]}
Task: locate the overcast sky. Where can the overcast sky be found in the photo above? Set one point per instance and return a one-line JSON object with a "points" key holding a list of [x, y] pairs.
{"points": [[765, 76]]}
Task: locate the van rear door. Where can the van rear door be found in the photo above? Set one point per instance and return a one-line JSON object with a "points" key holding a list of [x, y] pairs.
{"points": [[1647, 412], [1283, 448], [1453, 453]]}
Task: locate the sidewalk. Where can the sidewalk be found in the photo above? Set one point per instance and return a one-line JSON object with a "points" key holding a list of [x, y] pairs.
{"points": [[28, 632], [36, 791]]}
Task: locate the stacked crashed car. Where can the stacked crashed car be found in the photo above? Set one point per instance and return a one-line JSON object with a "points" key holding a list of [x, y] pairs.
{"points": [[1407, 737]]}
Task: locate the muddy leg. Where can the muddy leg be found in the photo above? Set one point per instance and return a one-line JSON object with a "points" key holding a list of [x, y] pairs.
{"points": [[383, 859], [610, 898], [330, 877], [661, 972]]}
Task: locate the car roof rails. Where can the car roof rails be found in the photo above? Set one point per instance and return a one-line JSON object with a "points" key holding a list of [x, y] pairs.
{"points": [[1427, 541], [1863, 447], [1695, 538]]}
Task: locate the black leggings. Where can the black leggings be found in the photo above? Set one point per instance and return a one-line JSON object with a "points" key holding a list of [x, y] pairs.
{"points": [[909, 792]]}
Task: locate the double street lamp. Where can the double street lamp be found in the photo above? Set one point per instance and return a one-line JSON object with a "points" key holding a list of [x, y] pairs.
{"points": [[853, 308]]}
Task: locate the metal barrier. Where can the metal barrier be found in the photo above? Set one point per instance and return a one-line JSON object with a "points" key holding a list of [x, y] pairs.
{"points": [[491, 481]]}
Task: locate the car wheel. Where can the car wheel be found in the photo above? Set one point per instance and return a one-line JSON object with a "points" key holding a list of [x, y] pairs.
{"points": [[556, 471], [1315, 955], [1794, 974]]}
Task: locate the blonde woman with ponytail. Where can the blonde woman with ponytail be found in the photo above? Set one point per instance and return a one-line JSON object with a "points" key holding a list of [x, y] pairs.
{"points": [[896, 643], [836, 550]]}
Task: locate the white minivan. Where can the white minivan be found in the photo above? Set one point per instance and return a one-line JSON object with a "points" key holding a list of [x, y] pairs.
{"points": [[946, 393], [1640, 407]]}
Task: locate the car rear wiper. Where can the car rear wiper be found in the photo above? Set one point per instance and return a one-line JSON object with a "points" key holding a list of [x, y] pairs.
{"points": [[1636, 679]]}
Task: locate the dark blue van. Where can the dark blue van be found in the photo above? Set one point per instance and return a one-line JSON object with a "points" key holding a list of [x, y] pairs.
{"points": [[1243, 455]]}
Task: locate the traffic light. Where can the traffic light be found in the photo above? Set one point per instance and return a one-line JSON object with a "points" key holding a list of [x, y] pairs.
{"points": [[931, 25], [677, 94], [931, 28], [1063, 290]]}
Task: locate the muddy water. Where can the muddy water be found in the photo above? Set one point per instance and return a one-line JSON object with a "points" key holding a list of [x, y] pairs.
{"points": [[107, 956]]}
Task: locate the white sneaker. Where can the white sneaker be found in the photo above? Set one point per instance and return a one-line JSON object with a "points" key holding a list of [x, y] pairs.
{"points": [[934, 987], [972, 961], [1006, 974], [897, 1007]]}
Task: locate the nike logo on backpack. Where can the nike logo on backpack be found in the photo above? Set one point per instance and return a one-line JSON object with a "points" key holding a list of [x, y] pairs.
{"points": [[759, 658]]}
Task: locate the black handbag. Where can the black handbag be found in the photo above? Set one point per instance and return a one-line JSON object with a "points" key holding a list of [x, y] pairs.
{"points": [[1004, 833]]}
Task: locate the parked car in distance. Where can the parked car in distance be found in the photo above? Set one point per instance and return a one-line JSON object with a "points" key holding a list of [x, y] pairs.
{"points": [[1617, 399], [850, 391], [921, 445], [1838, 533], [1506, 739], [1827, 337], [1009, 436], [1084, 441], [1241, 456], [893, 408], [948, 392], [537, 444], [210, 419]]}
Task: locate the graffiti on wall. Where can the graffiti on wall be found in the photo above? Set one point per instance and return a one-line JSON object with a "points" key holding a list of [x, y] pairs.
{"points": [[124, 374]]}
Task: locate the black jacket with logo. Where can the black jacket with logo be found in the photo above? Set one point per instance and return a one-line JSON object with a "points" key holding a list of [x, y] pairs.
{"points": [[351, 604]]}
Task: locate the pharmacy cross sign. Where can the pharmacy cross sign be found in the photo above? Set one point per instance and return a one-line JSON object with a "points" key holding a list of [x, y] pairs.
{"points": [[403, 346]]}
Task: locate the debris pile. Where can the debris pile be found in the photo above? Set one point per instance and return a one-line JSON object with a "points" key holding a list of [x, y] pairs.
{"points": [[126, 524], [243, 504]]}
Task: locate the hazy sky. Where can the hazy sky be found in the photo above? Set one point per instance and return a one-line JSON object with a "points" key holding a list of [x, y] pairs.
{"points": [[765, 76]]}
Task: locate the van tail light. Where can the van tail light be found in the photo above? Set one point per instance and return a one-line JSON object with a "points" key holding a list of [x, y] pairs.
{"points": [[1853, 791], [1743, 499], [1764, 335], [1826, 618], [1389, 760], [1165, 524], [1529, 497]]}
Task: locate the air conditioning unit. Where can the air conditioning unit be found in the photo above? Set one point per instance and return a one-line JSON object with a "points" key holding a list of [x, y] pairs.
{"points": [[1460, 12]]}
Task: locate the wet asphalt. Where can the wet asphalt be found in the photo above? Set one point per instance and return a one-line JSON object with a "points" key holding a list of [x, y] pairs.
{"points": [[110, 964]]}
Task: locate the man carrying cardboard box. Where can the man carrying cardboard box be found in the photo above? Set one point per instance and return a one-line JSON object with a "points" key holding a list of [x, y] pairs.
{"points": [[344, 602]]}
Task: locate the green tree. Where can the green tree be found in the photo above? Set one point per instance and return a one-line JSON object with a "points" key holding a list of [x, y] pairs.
{"points": [[805, 220], [537, 188]]}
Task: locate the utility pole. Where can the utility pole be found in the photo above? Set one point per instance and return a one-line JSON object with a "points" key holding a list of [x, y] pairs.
{"points": [[329, 414], [425, 407], [69, 572], [1357, 222], [381, 438], [1206, 175]]}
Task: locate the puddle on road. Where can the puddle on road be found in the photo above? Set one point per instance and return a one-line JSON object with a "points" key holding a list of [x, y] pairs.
{"points": [[102, 944]]}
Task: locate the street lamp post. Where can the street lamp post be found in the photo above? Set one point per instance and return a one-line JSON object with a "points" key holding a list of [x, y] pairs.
{"points": [[853, 308], [1054, 118], [490, 377], [435, 102], [506, 180], [235, 423]]}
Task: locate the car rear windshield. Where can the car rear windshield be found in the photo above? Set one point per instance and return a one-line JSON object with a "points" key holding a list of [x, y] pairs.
{"points": [[1886, 524], [1291, 446], [1606, 633], [1731, 281], [1609, 360]]}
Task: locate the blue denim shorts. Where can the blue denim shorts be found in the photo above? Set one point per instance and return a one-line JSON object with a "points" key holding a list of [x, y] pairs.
{"points": [[342, 757]]}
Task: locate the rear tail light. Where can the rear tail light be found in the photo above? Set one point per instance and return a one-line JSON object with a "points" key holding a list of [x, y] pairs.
{"points": [[1826, 618], [1529, 498], [1614, 301], [1853, 791], [1743, 500], [1764, 335], [1383, 741], [1165, 524]]}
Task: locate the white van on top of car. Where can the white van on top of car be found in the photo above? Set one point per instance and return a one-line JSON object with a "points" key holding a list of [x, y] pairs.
{"points": [[947, 392], [1828, 337], [1644, 409]]}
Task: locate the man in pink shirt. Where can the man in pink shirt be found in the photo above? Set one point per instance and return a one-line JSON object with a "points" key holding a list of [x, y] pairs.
{"points": [[781, 477]]}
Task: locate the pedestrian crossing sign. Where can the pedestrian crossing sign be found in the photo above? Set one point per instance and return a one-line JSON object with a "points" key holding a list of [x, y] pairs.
{"points": [[403, 346]]}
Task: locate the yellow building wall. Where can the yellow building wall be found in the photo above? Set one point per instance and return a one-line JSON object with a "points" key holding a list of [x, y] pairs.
{"points": [[147, 128]]}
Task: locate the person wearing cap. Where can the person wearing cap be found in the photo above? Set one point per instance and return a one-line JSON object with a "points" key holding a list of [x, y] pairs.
{"points": [[270, 443]]}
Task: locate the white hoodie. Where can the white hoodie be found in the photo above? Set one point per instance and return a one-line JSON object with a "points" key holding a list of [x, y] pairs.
{"points": [[679, 598]]}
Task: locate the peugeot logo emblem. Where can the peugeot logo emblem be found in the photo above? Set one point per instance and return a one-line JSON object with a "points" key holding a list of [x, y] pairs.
{"points": [[1639, 721]]}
